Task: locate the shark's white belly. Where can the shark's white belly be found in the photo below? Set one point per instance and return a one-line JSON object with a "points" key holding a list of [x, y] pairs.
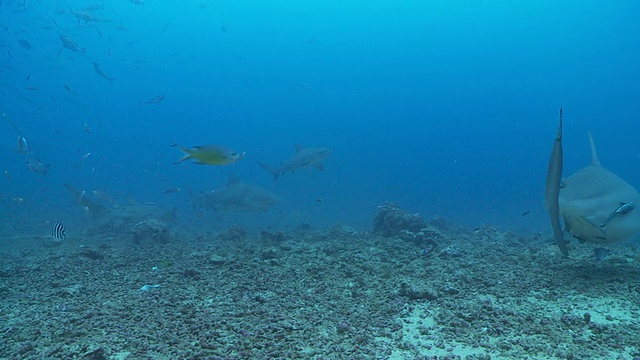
{"points": [[589, 197]]}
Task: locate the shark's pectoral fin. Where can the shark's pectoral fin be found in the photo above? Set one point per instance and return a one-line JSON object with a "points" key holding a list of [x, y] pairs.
{"points": [[320, 166], [590, 228]]}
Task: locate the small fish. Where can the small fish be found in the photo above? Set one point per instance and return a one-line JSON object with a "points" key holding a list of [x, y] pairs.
{"points": [[58, 232], [97, 68], [623, 209], [137, 2], [85, 156], [305, 86], [86, 17], [25, 44], [154, 100], [7, 175], [526, 213], [23, 146], [87, 129], [210, 155], [66, 87], [32, 88], [171, 191]]}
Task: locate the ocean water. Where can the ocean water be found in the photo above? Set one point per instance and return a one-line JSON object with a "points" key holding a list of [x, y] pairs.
{"points": [[447, 108]]}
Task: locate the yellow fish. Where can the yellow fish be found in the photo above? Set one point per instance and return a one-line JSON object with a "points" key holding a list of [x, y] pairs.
{"points": [[210, 155]]}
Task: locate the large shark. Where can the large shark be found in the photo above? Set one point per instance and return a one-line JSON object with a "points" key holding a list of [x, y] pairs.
{"points": [[235, 196], [302, 158], [597, 205]]}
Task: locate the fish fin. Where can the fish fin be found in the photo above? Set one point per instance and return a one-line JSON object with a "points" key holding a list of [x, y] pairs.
{"points": [[320, 166], [299, 148], [188, 153], [275, 172], [594, 154], [184, 158]]}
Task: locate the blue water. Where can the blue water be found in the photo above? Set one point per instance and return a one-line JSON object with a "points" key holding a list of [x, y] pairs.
{"points": [[444, 107]]}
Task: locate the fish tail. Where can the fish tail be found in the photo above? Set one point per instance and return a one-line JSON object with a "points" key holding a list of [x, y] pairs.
{"points": [[188, 153], [274, 171], [184, 158]]}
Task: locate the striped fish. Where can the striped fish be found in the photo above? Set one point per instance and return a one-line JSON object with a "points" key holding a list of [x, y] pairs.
{"points": [[58, 232]]}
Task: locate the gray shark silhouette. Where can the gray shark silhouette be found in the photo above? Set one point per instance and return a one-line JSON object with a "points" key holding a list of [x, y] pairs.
{"points": [[597, 205], [303, 157]]}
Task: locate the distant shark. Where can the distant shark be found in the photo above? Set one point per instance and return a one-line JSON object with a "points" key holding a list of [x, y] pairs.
{"points": [[597, 205], [235, 196], [303, 157]]}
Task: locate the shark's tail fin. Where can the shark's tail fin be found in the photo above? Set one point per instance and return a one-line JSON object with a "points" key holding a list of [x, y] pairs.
{"points": [[274, 171]]}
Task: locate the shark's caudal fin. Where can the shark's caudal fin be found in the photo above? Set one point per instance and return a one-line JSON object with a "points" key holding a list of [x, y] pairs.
{"points": [[594, 154], [274, 171]]}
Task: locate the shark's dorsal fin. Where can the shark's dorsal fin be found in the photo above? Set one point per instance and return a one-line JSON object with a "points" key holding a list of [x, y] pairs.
{"points": [[594, 154]]}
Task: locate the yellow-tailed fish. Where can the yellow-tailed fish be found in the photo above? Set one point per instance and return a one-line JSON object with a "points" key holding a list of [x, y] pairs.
{"points": [[210, 155]]}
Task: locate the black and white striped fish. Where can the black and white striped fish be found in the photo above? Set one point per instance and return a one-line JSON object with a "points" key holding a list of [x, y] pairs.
{"points": [[58, 232]]}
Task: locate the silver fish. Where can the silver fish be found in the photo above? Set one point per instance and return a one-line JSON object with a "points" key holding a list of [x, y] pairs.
{"points": [[23, 146]]}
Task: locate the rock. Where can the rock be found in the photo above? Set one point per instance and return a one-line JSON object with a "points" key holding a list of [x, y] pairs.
{"points": [[269, 254], [390, 221], [92, 254], [234, 233], [413, 293], [151, 231], [217, 259], [273, 237]]}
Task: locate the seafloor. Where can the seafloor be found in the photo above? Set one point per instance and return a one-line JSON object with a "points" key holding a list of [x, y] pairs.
{"points": [[307, 294]]}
